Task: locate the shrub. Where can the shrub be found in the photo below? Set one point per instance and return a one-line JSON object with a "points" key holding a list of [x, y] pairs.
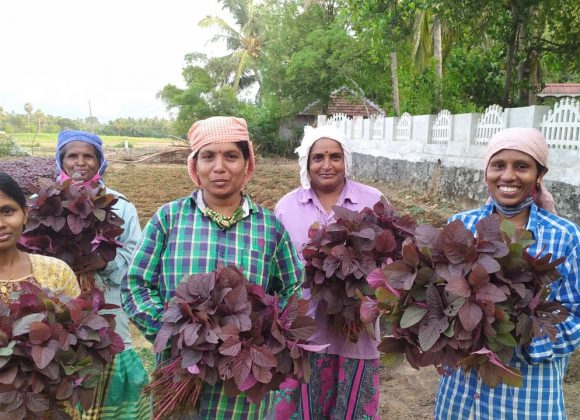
{"points": [[9, 147]]}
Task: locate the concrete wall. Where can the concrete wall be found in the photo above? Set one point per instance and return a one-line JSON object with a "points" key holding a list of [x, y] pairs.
{"points": [[461, 150], [460, 185], [453, 168]]}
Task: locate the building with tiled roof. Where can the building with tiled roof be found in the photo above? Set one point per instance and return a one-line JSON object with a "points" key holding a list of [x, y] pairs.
{"points": [[347, 102], [341, 101], [559, 90]]}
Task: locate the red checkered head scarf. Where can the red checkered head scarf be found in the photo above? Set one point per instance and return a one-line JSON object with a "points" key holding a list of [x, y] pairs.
{"points": [[218, 130]]}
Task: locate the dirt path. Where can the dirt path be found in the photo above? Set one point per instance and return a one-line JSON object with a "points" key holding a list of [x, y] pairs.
{"points": [[405, 392]]}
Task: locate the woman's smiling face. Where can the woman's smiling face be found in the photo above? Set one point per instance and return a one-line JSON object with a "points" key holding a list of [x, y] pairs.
{"points": [[12, 221], [326, 165], [511, 176], [80, 158]]}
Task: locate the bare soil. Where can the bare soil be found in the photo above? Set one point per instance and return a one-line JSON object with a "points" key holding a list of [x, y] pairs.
{"points": [[405, 392]]}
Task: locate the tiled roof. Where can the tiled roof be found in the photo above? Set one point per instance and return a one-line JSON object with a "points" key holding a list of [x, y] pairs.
{"points": [[345, 101], [560, 89]]}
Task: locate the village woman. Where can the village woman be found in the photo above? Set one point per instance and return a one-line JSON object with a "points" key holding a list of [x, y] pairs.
{"points": [[345, 378], [17, 266], [80, 156], [516, 161], [217, 223]]}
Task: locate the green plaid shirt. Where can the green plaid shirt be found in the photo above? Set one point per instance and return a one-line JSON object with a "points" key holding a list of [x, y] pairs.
{"points": [[180, 240]]}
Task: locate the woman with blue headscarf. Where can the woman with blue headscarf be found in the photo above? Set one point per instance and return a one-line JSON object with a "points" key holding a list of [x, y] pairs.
{"points": [[80, 156]]}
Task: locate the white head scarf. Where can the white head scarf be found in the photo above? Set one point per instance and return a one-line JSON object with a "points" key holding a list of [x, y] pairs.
{"points": [[311, 135]]}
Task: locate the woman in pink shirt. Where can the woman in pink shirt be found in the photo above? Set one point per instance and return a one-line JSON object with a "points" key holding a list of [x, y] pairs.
{"points": [[345, 378]]}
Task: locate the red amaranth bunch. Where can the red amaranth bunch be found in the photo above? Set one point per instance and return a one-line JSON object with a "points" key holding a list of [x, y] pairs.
{"points": [[456, 299], [341, 255], [222, 328], [70, 221], [53, 351]]}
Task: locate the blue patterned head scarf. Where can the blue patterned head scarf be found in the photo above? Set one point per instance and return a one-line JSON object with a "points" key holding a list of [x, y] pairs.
{"points": [[67, 136]]}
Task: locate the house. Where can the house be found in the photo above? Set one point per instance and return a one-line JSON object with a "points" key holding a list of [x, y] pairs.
{"points": [[559, 90], [341, 101]]}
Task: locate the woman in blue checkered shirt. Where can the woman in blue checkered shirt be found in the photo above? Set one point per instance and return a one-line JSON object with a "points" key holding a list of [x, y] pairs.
{"points": [[515, 164]]}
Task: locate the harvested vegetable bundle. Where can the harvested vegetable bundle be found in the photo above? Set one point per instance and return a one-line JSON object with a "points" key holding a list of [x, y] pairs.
{"points": [[70, 221], [456, 299], [341, 255], [52, 351], [222, 328]]}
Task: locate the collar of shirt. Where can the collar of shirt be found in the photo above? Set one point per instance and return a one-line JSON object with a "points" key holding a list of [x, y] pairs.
{"points": [[247, 205], [532, 224], [347, 193]]}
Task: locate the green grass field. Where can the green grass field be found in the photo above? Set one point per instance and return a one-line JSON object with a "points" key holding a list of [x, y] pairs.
{"points": [[45, 143]]}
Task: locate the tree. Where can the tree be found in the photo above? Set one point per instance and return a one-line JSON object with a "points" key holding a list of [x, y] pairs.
{"points": [[309, 52], [530, 33], [384, 26], [28, 108], [203, 95], [244, 41]]}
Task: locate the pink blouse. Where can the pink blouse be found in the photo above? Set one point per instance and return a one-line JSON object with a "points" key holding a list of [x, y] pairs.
{"points": [[297, 211]]}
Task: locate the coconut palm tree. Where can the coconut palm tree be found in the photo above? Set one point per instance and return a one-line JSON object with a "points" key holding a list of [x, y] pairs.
{"points": [[427, 40], [244, 41], [431, 38]]}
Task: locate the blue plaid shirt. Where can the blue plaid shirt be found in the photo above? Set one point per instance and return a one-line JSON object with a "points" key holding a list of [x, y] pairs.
{"points": [[542, 363]]}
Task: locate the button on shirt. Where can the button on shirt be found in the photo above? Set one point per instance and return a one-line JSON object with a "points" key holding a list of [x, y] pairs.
{"points": [[298, 210], [542, 363]]}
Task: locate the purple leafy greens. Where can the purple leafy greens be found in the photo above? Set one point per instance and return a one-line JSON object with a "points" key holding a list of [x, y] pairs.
{"points": [[341, 256], [220, 327], [456, 299], [71, 221], [28, 170], [53, 350]]}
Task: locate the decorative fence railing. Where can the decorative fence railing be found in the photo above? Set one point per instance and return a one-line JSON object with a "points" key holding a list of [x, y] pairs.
{"points": [[460, 139], [561, 126], [442, 128]]}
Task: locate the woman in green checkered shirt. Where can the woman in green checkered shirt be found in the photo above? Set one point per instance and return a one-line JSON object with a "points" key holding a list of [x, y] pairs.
{"points": [[217, 223]]}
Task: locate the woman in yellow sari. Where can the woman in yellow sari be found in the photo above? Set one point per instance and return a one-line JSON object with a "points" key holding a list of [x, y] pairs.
{"points": [[17, 266]]}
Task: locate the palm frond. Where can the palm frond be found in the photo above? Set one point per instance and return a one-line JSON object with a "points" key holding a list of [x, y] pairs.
{"points": [[422, 39], [220, 23]]}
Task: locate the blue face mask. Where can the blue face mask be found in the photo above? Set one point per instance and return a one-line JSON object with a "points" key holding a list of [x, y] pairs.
{"points": [[511, 211]]}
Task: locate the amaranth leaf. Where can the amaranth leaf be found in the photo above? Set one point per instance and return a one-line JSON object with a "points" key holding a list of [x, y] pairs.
{"points": [[470, 314]]}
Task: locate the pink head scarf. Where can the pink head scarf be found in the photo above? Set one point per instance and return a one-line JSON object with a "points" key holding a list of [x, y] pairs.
{"points": [[531, 142], [218, 130]]}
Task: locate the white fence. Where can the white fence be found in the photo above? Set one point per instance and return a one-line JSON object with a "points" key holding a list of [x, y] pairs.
{"points": [[458, 140], [561, 126]]}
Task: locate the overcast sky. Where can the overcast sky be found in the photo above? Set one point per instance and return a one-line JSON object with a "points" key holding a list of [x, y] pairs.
{"points": [[118, 54]]}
